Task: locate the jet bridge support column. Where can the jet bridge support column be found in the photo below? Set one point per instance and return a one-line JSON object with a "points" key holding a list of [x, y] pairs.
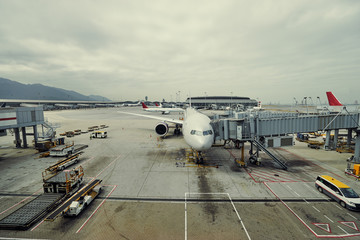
{"points": [[349, 136], [254, 157], [35, 134], [17, 138], [241, 162], [327, 140], [357, 147], [23, 129], [336, 135]]}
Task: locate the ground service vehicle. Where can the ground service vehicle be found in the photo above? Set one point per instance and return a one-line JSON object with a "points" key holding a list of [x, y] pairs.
{"points": [[338, 191], [61, 151], [77, 206], [99, 134]]}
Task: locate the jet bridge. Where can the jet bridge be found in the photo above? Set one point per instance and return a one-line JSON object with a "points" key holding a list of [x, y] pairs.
{"points": [[18, 119], [276, 129]]}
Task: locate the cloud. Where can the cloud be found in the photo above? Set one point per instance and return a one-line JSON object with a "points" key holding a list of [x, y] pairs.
{"points": [[131, 49]]}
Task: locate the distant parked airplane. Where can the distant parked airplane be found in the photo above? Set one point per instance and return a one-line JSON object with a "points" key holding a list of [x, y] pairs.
{"points": [[160, 109], [337, 106], [132, 104]]}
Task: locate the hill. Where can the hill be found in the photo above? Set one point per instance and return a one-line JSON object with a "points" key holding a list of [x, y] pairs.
{"points": [[14, 90]]}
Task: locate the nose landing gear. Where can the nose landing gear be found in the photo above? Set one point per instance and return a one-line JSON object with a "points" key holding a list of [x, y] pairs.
{"points": [[195, 156]]}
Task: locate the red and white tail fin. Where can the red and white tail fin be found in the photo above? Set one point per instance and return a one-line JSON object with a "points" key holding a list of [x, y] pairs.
{"points": [[333, 101], [143, 105]]}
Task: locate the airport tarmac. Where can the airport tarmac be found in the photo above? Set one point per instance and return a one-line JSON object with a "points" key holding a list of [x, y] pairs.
{"points": [[151, 191]]}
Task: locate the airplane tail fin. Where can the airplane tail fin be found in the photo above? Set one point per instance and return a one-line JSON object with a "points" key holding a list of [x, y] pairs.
{"points": [[143, 105], [333, 101]]}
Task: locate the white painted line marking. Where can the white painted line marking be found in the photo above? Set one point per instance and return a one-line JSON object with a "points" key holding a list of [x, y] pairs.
{"points": [[297, 193], [343, 230], [351, 216], [316, 208], [185, 218], [311, 188], [237, 213], [329, 219], [338, 207], [306, 201]]}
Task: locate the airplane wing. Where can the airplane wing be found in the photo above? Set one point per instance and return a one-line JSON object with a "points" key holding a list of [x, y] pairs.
{"points": [[173, 120]]}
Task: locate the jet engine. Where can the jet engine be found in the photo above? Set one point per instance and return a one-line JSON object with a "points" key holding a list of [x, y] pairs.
{"points": [[161, 129]]}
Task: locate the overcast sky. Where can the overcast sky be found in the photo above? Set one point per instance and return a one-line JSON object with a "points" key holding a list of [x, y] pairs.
{"points": [[125, 50]]}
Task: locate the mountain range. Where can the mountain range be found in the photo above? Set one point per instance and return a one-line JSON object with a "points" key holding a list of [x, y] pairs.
{"points": [[14, 90]]}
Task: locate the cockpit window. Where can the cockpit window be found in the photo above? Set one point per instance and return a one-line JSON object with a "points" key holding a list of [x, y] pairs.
{"points": [[200, 133], [196, 132]]}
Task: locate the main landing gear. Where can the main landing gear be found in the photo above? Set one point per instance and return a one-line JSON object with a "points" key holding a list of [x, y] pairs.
{"points": [[177, 130]]}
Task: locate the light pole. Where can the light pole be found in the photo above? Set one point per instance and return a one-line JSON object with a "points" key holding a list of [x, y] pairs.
{"points": [[205, 100]]}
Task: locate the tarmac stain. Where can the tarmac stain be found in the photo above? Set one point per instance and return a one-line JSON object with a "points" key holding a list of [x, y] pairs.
{"points": [[268, 204], [203, 184], [235, 168], [298, 163], [312, 218], [119, 209]]}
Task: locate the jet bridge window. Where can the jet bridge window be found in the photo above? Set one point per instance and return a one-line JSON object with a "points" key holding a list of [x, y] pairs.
{"points": [[208, 132]]}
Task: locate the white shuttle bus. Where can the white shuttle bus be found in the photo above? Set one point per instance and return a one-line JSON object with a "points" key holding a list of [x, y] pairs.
{"points": [[338, 191]]}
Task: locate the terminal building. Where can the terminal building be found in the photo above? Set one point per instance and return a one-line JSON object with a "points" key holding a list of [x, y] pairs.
{"points": [[222, 102]]}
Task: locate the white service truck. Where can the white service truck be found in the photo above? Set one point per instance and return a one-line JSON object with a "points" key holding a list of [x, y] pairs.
{"points": [[61, 151], [99, 134], [77, 206]]}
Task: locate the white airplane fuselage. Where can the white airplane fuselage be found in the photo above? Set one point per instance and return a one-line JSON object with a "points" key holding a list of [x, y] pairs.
{"points": [[196, 128], [197, 131]]}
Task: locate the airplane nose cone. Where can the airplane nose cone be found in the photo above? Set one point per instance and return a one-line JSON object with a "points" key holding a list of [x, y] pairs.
{"points": [[203, 144]]}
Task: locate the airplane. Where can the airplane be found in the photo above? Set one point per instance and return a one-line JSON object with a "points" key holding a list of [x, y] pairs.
{"points": [[336, 106], [160, 109], [131, 104], [196, 128], [258, 107]]}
